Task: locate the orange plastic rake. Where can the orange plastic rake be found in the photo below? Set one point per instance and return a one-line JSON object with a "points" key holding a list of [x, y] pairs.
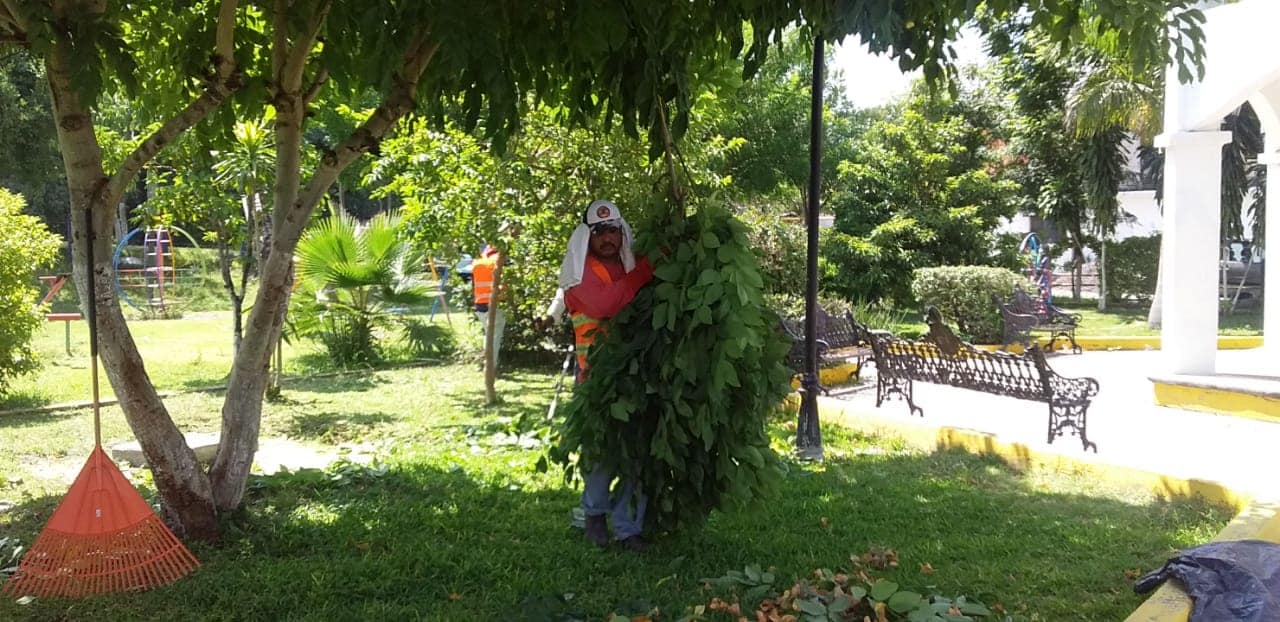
{"points": [[103, 537]]}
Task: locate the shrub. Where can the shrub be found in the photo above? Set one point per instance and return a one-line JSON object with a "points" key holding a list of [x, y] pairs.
{"points": [[1132, 265], [871, 314], [351, 280], [963, 295], [25, 245]]}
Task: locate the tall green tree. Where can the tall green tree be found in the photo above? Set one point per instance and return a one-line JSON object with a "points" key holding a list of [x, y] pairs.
{"points": [[29, 160], [632, 61], [926, 187]]}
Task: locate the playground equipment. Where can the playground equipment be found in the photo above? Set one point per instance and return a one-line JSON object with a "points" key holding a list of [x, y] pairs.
{"points": [[1039, 270], [157, 274], [55, 282]]}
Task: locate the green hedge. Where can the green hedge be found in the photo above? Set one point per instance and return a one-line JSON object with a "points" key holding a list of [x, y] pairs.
{"points": [[1132, 266], [963, 295]]}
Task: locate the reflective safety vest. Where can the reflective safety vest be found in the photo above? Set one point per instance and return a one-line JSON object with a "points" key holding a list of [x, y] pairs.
{"points": [[584, 327], [482, 278]]}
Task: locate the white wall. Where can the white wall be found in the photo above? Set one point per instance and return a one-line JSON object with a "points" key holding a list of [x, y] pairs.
{"points": [[1141, 205]]}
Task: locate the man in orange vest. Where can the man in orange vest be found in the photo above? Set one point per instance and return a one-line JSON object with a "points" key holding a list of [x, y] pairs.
{"points": [[600, 275], [482, 287]]}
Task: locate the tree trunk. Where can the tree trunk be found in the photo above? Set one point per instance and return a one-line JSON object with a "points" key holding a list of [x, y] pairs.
{"points": [[255, 249], [1102, 275], [242, 409], [183, 487], [491, 321], [1155, 314], [236, 297]]}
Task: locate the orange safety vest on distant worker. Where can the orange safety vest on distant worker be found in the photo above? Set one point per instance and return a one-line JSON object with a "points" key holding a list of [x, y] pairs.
{"points": [[482, 278], [584, 326]]}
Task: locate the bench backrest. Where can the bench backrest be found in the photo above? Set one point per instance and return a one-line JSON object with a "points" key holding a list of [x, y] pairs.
{"points": [[834, 332], [1024, 303], [942, 358]]}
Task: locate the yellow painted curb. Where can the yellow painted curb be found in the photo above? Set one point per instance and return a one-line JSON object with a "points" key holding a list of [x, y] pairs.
{"points": [[1151, 342], [1169, 603], [831, 376], [1255, 519], [1220, 401]]}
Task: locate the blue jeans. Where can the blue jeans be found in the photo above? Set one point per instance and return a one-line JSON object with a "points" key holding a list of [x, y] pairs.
{"points": [[596, 501]]}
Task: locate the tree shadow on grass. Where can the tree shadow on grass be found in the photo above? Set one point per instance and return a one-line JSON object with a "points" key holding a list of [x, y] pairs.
{"points": [[333, 428], [23, 399], [340, 382], [445, 535]]}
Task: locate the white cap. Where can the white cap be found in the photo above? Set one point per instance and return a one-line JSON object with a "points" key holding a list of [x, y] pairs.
{"points": [[602, 210]]}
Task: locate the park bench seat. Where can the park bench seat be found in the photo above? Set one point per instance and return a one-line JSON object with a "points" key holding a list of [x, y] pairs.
{"points": [[840, 339], [941, 358], [1024, 315]]}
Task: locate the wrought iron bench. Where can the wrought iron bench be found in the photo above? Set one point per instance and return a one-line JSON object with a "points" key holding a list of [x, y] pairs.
{"points": [[1024, 315], [840, 340], [941, 358]]}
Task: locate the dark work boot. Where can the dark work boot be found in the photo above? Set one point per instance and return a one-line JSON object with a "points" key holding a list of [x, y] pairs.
{"points": [[597, 531]]}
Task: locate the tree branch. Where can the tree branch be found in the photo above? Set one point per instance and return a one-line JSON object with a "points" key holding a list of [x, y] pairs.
{"points": [[279, 40], [313, 89], [295, 64], [222, 84], [14, 19], [366, 137]]}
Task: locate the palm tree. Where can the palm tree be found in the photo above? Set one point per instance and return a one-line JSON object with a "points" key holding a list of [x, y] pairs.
{"points": [[351, 279], [1108, 96], [1108, 101], [246, 168]]}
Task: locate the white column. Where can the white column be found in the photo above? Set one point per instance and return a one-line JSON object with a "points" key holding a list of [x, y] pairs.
{"points": [[1271, 281], [1192, 220]]}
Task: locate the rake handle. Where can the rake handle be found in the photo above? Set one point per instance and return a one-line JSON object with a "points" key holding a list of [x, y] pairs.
{"points": [[91, 314]]}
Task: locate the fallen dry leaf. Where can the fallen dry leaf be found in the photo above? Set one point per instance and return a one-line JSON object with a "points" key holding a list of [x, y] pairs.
{"points": [[826, 522], [926, 568], [455, 597], [882, 614], [1131, 574]]}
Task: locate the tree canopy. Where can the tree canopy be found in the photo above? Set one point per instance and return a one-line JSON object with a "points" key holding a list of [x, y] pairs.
{"points": [[635, 63]]}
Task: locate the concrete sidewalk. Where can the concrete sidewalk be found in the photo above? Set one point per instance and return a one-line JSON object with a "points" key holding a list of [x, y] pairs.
{"points": [[1130, 430]]}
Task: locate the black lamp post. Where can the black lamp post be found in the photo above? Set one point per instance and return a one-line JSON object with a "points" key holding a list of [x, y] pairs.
{"points": [[808, 432]]}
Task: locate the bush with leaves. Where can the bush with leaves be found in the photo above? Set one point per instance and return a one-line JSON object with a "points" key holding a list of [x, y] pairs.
{"points": [[683, 382], [25, 245], [351, 278], [1132, 266], [963, 295]]}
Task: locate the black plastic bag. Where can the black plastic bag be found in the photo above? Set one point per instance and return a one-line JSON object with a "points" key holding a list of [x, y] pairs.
{"points": [[1237, 581]]}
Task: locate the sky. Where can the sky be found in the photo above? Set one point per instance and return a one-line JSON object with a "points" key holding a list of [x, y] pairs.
{"points": [[872, 80]]}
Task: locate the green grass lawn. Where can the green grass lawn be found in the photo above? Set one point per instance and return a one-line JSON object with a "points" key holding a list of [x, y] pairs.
{"points": [[456, 524], [191, 352], [1131, 320], [1120, 320]]}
